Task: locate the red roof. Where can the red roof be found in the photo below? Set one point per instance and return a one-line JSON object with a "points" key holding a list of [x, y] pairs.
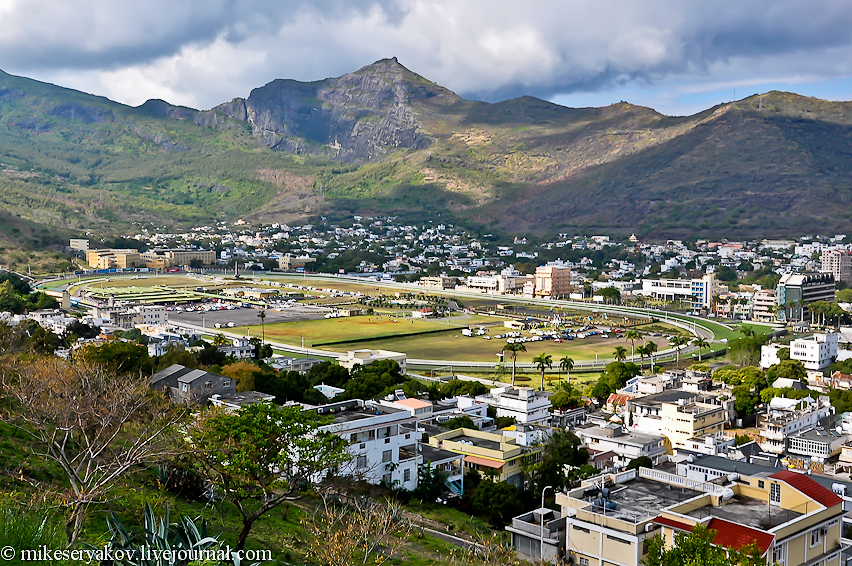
{"points": [[809, 487], [728, 534], [733, 535]]}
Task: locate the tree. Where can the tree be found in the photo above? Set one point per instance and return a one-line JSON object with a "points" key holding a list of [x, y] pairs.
{"points": [[640, 462], [633, 335], [696, 548], [120, 356], [747, 331], [513, 350], [678, 342], [221, 340], [94, 423], [542, 362], [431, 483], [263, 455], [700, 343], [650, 348], [561, 449], [463, 421], [566, 364], [620, 353], [496, 500], [356, 533], [262, 316], [783, 354]]}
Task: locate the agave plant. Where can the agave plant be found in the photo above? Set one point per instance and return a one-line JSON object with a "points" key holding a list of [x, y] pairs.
{"points": [[147, 548]]}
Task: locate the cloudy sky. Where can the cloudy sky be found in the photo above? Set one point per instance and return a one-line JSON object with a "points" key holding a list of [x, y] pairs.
{"points": [[674, 55]]}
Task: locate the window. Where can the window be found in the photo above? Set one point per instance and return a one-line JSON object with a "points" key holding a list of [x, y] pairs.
{"points": [[406, 475], [353, 438], [815, 537], [778, 555], [584, 561], [226, 383], [775, 494], [362, 461], [760, 484], [386, 455]]}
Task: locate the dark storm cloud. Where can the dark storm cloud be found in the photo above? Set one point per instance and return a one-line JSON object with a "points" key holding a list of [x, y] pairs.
{"points": [[207, 51]]}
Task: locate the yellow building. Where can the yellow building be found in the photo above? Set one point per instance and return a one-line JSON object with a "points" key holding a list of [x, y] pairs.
{"points": [[680, 422], [161, 258], [112, 258], [288, 263], [488, 452], [792, 519]]}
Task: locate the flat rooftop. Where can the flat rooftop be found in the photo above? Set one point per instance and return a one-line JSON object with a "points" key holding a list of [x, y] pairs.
{"points": [[747, 511], [637, 499]]}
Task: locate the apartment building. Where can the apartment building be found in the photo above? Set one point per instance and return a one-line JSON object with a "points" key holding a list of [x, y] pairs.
{"points": [[438, 282], [684, 421], [816, 352], [552, 281], [524, 404], [816, 444], [763, 305], [488, 453], [797, 290], [383, 450], [785, 417], [698, 293], [838, 263]]}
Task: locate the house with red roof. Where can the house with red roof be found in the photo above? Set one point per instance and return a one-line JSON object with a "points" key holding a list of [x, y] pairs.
{"points": [[792, 519]]}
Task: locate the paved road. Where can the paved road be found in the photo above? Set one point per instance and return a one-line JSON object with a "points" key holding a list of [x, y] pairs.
{"points": [[247, 317]]}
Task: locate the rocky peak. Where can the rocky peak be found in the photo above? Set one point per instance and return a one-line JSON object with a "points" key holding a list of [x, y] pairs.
{"points": [[358, 116]]}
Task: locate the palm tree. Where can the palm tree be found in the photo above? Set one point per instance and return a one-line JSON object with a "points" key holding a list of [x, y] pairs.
{"points": [[543, 361], [632, 335], [650, 348], [220, 340], [678, 342], [262, 316], [620, 353], [513, 350], [566, 364], [700, 343]]}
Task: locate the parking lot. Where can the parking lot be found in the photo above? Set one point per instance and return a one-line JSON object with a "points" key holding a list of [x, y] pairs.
{"points": [[246, 317]]}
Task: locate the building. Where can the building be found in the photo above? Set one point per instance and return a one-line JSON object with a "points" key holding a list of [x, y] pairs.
{"points": [[366, 357], [793, 519], [163, 258], [684, 421], [627, 445], [237, 401], [552, 281], [253, 293], [191, 386], [838, 263], [383, 450], [450, 464], [524, 404], [797, 290], [438, 282], [113, 258], [785, 417], [816, 444], [539, 529], [240, 348], [301, 365], [816, 352], [763, 305], [78, 244], [698, 293], [488, 453], [127, 318], [288, 263]]}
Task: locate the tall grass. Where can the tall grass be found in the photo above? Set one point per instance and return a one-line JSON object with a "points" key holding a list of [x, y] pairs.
{"points": [[25, 528]]}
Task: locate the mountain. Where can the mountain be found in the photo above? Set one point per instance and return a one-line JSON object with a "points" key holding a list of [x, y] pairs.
{"points": [[385, 140]]}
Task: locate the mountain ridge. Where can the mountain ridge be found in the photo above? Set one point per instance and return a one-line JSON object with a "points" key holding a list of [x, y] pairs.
{"points": [[386, 140]]}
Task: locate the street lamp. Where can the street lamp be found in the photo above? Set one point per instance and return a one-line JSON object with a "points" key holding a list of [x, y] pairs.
{"points": [[541, 532]]}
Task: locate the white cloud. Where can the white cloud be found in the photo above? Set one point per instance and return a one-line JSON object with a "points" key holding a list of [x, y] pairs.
{"points": [[209, 51]]}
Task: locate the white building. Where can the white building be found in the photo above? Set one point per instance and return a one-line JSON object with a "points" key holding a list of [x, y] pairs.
{"points": [[698, 292], [241, 349], [366, 357], [815, 352], [786, 417], [383, 452], [838, 262], [524, 404], [626, 445]]}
